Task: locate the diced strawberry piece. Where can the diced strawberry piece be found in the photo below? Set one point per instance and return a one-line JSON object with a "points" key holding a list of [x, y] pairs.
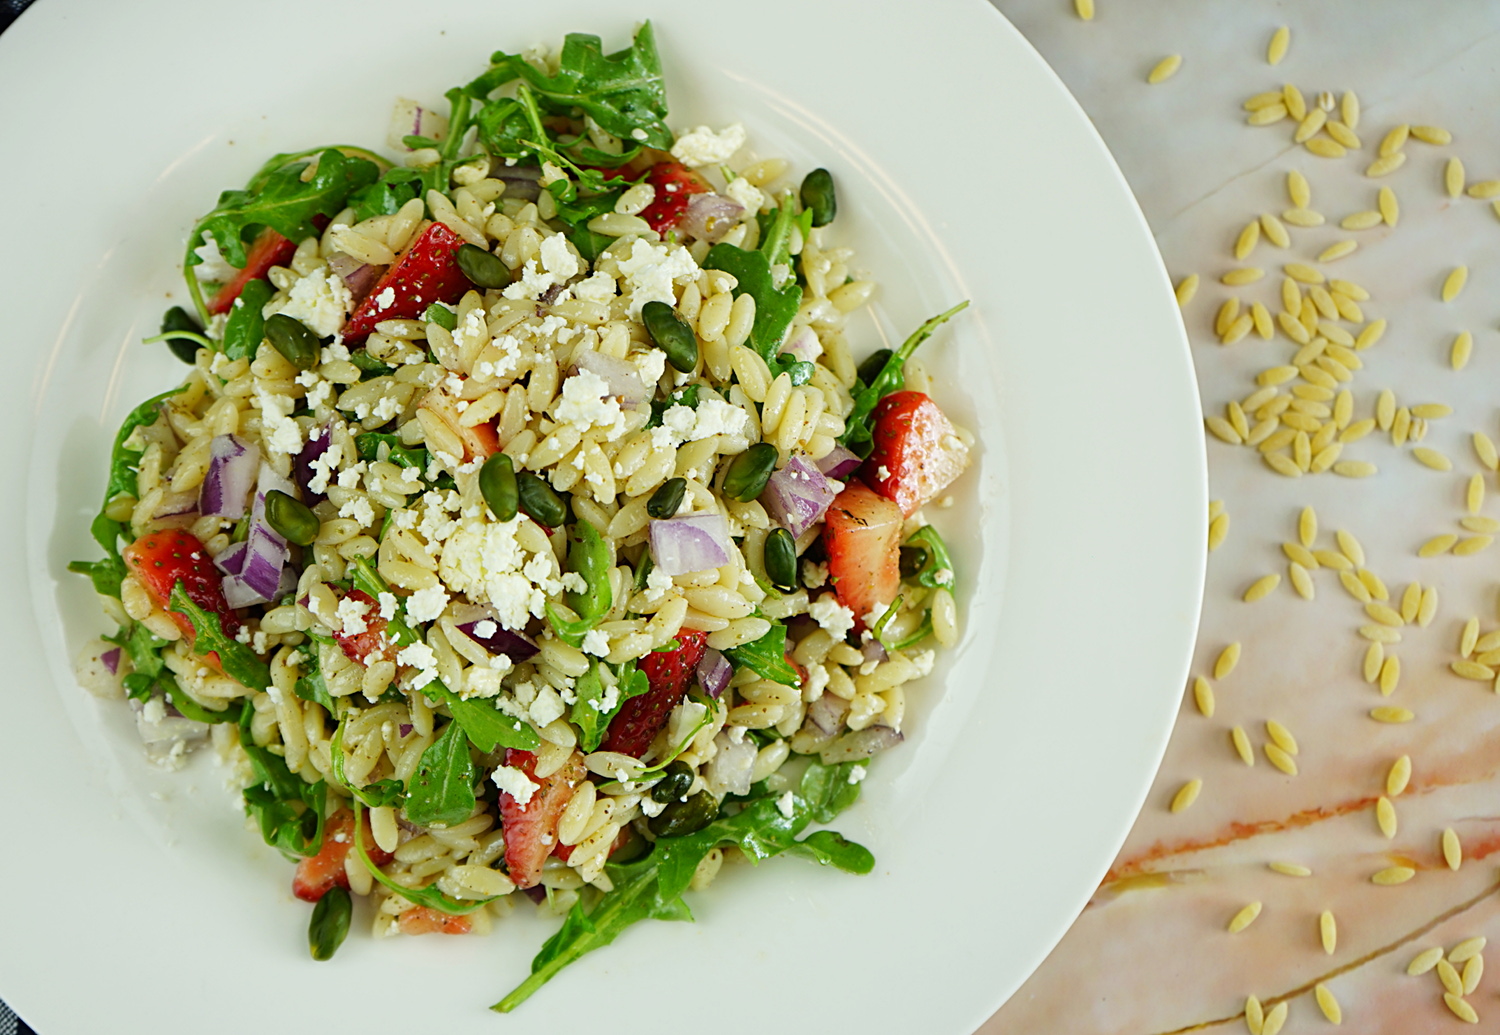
{"points": [[426, 920], [862, 536], [675, 183], [267, 250], [480, 440], [160, 560], [373, 644], [531, 829], [317, 874], [917, 453], [426, 272], [670, 673]]}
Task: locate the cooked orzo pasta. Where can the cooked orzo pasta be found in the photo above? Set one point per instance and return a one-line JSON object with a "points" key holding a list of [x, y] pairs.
{"points": [[525, 522]]}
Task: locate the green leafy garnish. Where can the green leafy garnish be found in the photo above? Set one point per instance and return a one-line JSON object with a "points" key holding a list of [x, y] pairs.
{"points": [[289, 810], [651, 888], [441, 315], [238, 661], [368, 444], [123, 464], [858, 432], [442, 788], [595, 706], [937, 569], [381, 792], [178, 698], [245, 327], [767, 656], [310, 686], [588, 558]]}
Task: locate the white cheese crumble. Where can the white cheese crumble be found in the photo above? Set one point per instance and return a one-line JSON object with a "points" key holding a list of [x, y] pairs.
{"points": [[650, 270], [858, 773], [710, 417], [515, 783], [279, 432], [587, 404], [485, 628], [814, 574], [923, 660], [747, 194], [351, 616], [702, 146], [387, 606], [547, 708], [817, 682], [321, 300], [420, 657], [484, 561], [213, 267], [786, 804], [425, 605], [835, 618], [596, 642]]}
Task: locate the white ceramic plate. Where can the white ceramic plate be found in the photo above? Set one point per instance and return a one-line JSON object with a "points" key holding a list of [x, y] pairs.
{"points": [[138, 902]]}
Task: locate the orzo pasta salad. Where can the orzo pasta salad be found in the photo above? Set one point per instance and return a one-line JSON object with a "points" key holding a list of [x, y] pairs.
{"points": [[525, 526]]}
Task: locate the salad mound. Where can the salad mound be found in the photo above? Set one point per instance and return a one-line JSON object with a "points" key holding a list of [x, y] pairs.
{"points": [[524, 526]]}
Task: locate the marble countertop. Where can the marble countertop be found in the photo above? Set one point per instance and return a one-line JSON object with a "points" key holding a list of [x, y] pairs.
{"points": [[1152, 952]]}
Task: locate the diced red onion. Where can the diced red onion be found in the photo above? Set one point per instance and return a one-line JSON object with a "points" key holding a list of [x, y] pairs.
{"points": [[714, 672], [827, 713], [261, 577], [804, 345], [623, 378], [521, 181], [231, 560], [873, 650], [318, 441], [232, 467], [861, 744], [798, 495], [728, 772], [405, 728], [695, 542], [358, 277], [710, 216], [516, 646], [111, 659], [839, 463], [174, 504]]}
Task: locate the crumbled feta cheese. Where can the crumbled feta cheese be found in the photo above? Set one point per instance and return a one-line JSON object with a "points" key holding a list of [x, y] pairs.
{"points": [[943, 577], [385, 299], [587, 404], [650, 270], [650, 807], [702, 146], [515, 783], [360, 510], [817, 682], [711, 417], [573, 582], [814, 574], [279, 432], [349, 476], [387, 606], [858, 773], [558, 258], [484, 561], [835, 618], [213, 267], [321, 300], [547, 708], [351, 616], [598, 288], [425, 605], [650, 364], [596, 642], [746, 193], [923, 661], [420, 657], [485, 628], [786, 804]]}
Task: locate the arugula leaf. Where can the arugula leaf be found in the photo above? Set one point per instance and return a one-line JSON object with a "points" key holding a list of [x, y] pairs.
{"points": [[623, 92], [369, 442], [830, 790], [588, 557], [590, 713], [368, 363], [245, 326], [442, 788], [917, 636], [429, 896], [858, 432], [937, 569], [651, 888], [123, 463], [310, 686], [178, 698], [385, 196], [767, 656], [238, 661], [441, 315], [381, 792], [486, 725], [281, 200], [682, 397], [289, 810], [775, 308]]}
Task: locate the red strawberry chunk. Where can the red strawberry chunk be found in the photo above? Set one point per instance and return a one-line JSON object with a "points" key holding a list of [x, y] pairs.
{"points": [[917, 453], [426, 920], [531, 829], [426, 272], [317, 874], [675, 183], [862, 536], [372, 644], [160, 560], [269, 249], [670, 673]]}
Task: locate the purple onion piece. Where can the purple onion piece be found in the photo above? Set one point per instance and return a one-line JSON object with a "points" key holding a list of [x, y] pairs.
{"points": [[111, 659], [516, 646], [873, 650], [861, 744], [318, 441], [265, 560], [404, 729], [695, 542], [827, 713], [231, 560], [710, 216], [798, 495], [358, 277], [536, 893], [839, 463], [714, 672], [623, 378], [232, 467], [804, 345]]}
